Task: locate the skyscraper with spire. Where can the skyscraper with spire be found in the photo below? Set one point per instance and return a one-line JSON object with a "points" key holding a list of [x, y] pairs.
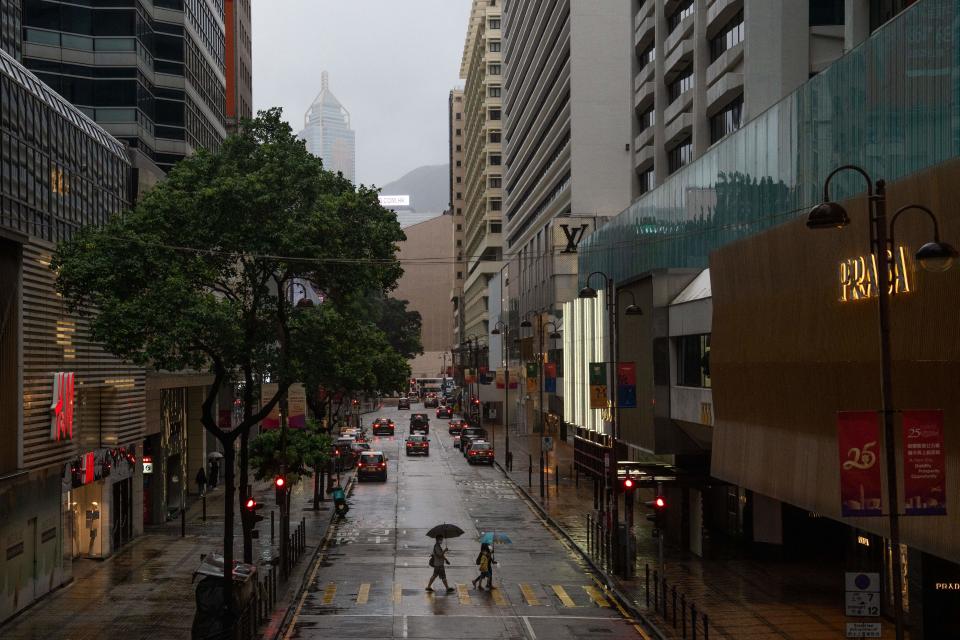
{"points": [[327, 132]]}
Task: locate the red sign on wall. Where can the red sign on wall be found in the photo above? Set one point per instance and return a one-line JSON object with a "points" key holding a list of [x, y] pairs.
{"points": [[924, 464], [61, 407], [858, 436]]}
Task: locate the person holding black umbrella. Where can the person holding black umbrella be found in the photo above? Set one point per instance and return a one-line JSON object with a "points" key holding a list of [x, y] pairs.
{"points": [[439, 562]]}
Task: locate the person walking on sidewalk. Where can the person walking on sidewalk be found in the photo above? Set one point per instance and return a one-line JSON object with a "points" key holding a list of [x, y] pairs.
{"points": [[485, 563], [201, 481], [439, 562]]}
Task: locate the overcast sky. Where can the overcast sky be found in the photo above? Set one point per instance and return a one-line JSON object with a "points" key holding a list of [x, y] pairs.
{"points": [[391, 63]]}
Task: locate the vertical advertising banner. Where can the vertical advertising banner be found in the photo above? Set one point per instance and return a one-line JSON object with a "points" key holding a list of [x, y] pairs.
{"points": [[627, 385], [531, 377], [470, 376], [297, 406], [598, 385], [858, 437], [550, 377], [267, 391], [924, 464]]}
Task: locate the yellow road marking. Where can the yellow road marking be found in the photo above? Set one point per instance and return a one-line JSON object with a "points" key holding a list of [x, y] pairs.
{"points": [[364, 593], [397, 593], [529, 595], [329, 593], [596, 596], [498, 598], [564, 596], [313, 575], [463, 594]]}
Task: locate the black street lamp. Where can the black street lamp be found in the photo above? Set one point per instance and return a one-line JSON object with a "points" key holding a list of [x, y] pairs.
{"points": [[554, 335], [932, 256], [502, 328], [472, 342], [611, 299]]}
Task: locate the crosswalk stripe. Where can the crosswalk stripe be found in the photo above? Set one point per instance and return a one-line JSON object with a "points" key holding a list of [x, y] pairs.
{"points": [[329, 593], [364, 594], [397, 593], [462, 594], [498, 598], [596, 596], [529, 595], [564, 597]]}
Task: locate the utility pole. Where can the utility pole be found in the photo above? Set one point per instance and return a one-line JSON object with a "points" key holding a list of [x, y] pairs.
{"points": [[285, 494]]}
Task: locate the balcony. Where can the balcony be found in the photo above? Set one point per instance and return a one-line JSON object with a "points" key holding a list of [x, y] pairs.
{"points": [[678, 106], [644, 32], [682, 32], [645, 75], [719, 14], [728, 87], [678, 59], [681, 127], [644, 95], [727, 61], [643, 158], [645, 138]]}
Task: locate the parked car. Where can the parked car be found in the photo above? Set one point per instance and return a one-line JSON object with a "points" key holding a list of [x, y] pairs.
{"points": [[419, 422], [480, 451], [444, 412], [418, 444], [455, 426], [372, 464], [431, 400], [468, 434], [403, 403], [383, 426], [344, 456]]}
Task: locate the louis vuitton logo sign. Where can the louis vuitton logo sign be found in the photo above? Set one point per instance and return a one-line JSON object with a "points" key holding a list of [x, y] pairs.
{"points": [[573, 235]]}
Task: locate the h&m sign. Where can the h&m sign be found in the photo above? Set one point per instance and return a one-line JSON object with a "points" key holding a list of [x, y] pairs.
{"points": [[61, 406]]}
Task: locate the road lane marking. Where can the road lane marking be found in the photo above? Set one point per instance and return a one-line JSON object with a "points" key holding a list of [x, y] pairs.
{"points": [[462, 594], [596, 596], [498, 598], [526, 622], [564, 596], [329, 593], [364, 594], [529, 595]]}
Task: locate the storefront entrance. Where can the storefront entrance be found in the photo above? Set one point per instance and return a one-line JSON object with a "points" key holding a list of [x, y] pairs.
{"points": [[122, 508]]}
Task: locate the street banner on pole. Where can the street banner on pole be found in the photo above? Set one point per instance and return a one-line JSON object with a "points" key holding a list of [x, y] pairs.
{"points": [[598, 385], [924, 464], [297, 406], [627, 385], [550, 377], [470, 376], [531, 377], [858, 436], [267, 391]]}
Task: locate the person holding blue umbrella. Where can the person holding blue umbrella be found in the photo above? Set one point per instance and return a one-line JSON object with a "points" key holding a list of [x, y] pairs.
{"points": [[486, 559]]}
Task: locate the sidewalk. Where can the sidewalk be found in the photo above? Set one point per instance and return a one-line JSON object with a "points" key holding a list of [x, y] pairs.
{"points": [[146, 589], [745, 597]]}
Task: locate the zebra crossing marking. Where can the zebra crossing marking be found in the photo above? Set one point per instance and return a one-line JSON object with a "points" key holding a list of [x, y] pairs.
{"points": [[364, 594], [329, 593], [596, 596], [564, 596], [529, 595]]}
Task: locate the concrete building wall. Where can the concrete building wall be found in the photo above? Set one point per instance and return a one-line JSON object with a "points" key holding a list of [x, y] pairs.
{"points": [[459, 266]]}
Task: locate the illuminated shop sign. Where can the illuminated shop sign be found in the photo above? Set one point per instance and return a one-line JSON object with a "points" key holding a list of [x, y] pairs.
{"points": [[858, 276], [61, 407]]}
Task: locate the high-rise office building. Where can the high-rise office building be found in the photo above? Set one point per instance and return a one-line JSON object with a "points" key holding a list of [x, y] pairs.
{"points": [[152, 74], [327, 132], [481, 69], [11, 28], [456, 210], [239, 61]]}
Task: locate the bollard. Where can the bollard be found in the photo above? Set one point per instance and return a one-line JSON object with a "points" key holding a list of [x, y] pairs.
{"points": [[587, 516], [706, 626], [646, 572], [673, 594], [204, 498], [693, 621], [656, 591], [558, 477], [530, 470], [664, 578], [683, 614], [183, 522], [271, 526]]}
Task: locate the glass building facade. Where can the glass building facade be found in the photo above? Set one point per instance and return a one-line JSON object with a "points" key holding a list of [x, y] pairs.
{"points": [[134, 68], [892, 106]]}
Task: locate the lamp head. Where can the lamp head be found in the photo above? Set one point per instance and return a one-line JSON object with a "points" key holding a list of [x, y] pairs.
{"points": [[495, 332], [526, 324], [828, 215], [555, 335], [633, 310], [936, 256], [587, 292]]}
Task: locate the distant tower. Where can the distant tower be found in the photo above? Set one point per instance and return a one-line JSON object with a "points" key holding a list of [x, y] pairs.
{"points": [[327, 132]]}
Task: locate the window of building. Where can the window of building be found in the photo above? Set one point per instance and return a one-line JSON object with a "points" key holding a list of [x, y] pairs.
{"points": [[459, 148], [494, 114], [646, 181], [693, 361], [727, 121], [459, 196], [683, 82], [494, 136], [495, 159], [459, 275], [495, 182], [882, 11], [459, 210], [494, 23], [459, 179], [459, 243], [496, 227], [459, 163], [493, 92], [459, 227], [826, 12], [648, 55], [496, 204], [458, 116], [647, 119], [494, 69], [459, 132], [680, 155], [685, 9], [494, 46], [730, 36]]}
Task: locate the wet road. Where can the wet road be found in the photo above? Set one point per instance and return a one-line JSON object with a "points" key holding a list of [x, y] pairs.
{"points": [[370, 580]]}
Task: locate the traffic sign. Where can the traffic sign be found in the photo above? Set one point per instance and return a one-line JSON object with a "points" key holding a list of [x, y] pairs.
{"points": [[863, 630], [548, 443], [865, 604], [862, 581]]}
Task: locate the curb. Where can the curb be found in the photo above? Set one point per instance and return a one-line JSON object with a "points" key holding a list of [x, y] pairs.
{"points": [[608, 582]]}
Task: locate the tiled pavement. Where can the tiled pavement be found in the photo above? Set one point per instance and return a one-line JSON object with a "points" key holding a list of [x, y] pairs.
{"points": [[746, 598]]}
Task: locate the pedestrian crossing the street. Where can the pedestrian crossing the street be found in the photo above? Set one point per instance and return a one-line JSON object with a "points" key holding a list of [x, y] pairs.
{"points": [[372, 594]]}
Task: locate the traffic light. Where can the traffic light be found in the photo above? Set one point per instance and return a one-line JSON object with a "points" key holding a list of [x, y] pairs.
{"points": [[627, 485], [250, 509], [659, 515], [280, 484]]}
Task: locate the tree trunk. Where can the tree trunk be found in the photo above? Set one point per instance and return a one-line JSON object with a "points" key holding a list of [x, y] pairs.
{"points": [[247, 524], [229, 458], [316, 489]]}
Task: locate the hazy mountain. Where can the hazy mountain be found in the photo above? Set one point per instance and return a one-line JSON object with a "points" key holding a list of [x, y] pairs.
{"points": [[428, 188]]}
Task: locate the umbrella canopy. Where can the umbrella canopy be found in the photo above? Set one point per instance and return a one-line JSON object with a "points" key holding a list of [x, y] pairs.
{"points": [[495, 537], [214, 455], [445, 530]]}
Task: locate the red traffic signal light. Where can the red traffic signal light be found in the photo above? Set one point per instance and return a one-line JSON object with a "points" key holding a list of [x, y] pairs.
{"points": [[660, 503], [251, 504], [280, 482], [628, 483]]}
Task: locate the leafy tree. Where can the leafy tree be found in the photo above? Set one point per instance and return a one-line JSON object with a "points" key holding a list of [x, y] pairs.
{"points": [[401, 327], [198, 276], [308, 452]]}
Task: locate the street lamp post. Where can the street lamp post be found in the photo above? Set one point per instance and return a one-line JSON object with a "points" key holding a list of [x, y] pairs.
{"points": [[554, 335], [501, 328], [932, 256], [611, 299], [473, 343]]}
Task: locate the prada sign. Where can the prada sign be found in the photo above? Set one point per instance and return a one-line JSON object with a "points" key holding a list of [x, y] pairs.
{"points": [[858, 276]]}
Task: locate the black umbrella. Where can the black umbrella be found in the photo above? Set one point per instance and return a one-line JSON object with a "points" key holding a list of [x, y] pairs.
{"points": [[445, 530]]}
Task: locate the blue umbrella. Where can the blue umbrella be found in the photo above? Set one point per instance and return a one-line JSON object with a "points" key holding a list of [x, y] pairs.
{"points": [[498, 537]]}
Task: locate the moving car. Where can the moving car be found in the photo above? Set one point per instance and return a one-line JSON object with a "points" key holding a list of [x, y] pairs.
{"points": [[468, 434], [480, 451], [455, 427], [418, 444], [431, 400], [403, 403], [359, 447], [383, 426], [343, 452], [419, 422], [444, 412], [372, 464]]}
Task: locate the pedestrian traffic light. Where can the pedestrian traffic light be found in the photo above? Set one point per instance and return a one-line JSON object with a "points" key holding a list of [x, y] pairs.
{"points": [[249, 513], [659, 507], [628, 484], [280, 484]]}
